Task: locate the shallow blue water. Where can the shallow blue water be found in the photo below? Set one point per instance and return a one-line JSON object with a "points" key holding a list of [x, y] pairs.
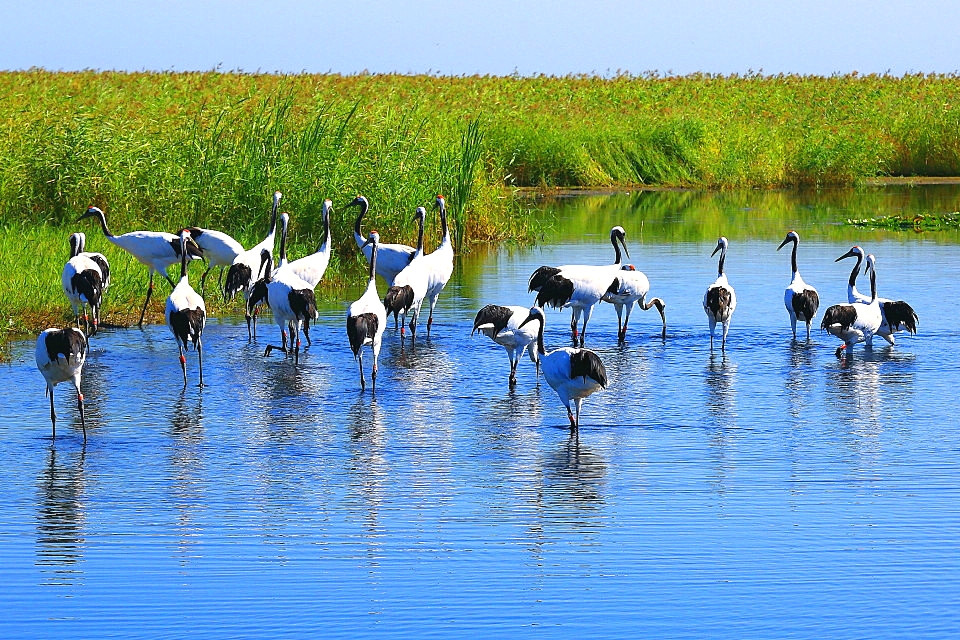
{"points": [[770, 491]]}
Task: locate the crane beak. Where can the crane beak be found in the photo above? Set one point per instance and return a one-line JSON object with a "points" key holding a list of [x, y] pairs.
{"points": [[784, 243], [623, 243], [715, 251], [848, 254]]}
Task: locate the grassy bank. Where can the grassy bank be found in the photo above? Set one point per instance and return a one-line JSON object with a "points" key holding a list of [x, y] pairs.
{"points": [[158, 151]]}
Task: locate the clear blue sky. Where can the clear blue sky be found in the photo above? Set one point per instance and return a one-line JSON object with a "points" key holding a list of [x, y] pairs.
{"points": [[484, 36]]}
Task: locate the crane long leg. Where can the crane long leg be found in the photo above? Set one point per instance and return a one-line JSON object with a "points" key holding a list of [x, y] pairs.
{"points": [[199, 345], [53, 415], [363, 383], [83, 424], [203, 278], [183, 362], [147, 301]]}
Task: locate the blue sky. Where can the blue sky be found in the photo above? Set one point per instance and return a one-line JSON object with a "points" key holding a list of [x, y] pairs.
{"points": [[484, 36]]}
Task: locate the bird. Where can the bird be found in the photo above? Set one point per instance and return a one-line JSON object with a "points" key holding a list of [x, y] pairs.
{"points": [[60, 356], [502, 325], [410, 285], [634, 287], [157, 250], [82, 283], [720, 300], [219, 250], [577, 286], [392, 258], [573, 373], [439, 263], [291, 299], [800, 299], [857, 321], [367, 317], [243, 273], [897, 315], [311, 268], [99, 258], [186, 314]]}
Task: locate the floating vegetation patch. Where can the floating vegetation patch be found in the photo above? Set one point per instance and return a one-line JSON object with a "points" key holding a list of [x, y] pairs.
{"points": [[919, 222]]}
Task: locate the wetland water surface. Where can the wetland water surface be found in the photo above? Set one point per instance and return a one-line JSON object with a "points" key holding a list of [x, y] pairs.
{"points": [[769, 491]]}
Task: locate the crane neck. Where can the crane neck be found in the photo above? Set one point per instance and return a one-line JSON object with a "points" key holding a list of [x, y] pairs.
{"points": [[184, 257], [272, 231], [616, 249], [103, 223], [283, 245], [443, 223], [373, 263], [852, 283], [364, 206], [723, 256], [873, 284], [793, 256], [540, 348], [420, 235]]}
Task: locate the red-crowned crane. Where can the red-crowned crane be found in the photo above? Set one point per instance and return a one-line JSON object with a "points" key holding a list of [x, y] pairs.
{"points": [[502, 325], [367, 317], [157, 250], [720, 300], [99, 258], [634, 287], [186, 314], [800, 299], [393, 257], [82, 283], [409, 287], [577, 286], [243, 272], [219, 250], [60, 356], [574, 374], [290, 298], [858, 321], [439, 263], [897, 315]]}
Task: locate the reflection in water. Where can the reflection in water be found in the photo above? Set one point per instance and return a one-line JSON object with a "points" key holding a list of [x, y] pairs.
{"points": [[186, 429], [720, 379], [574, 482], [60, 518], [799, 380], [369, 471]]}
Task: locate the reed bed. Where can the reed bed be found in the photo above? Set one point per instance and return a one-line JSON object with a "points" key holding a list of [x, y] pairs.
{"points": [[162, 150]]}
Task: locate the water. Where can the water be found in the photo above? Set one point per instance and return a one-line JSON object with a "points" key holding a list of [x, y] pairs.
{"points": [[770, 491]]}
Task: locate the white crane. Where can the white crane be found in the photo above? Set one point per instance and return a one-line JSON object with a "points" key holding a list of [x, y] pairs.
{"points": [[291, 299], [634, 287], [897, 315], [99, 258], [186, 314], [311, 268], [243, 272], [577, 286], [157, 250], [502, 325], [60, 355], [439, 262], [800, 299], [410, 286], [393, 257], [573, 373], [367, 317], [858, 321], [720, 300], [219, 250], [82, 283]]}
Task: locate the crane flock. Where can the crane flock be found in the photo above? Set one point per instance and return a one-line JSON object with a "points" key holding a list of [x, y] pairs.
{"points": [[412, 277]]}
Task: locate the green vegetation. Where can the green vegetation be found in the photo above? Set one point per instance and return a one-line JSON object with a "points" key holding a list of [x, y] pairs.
{"points": [[161, 150], [918, 223]]}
